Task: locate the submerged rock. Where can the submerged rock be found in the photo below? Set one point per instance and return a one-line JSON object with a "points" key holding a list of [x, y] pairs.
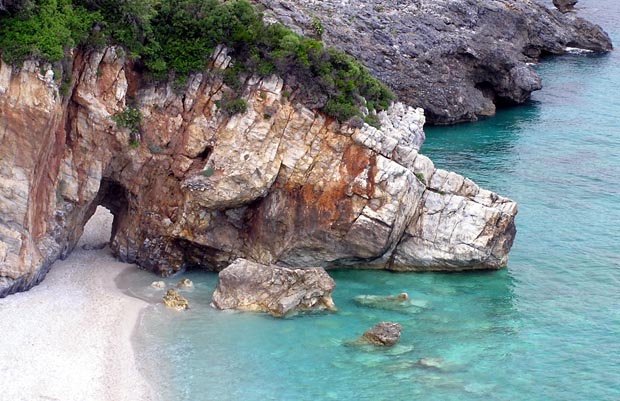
{"points": [[250, 286], [379, 301], [160, 285], [185, 283], [398, 303], [383, 334], [434, 363], [174, 300]]}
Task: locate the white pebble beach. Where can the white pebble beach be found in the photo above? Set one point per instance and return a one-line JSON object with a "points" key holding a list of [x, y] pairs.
{"points": [[69, 338]]}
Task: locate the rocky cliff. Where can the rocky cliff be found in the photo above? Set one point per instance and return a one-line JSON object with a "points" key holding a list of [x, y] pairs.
{"points": [[456, 59], [194, 186]]}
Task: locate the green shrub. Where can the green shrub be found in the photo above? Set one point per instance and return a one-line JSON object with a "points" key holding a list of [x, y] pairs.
{"points": [[43, 30], [208, 172], [232, 106], [129, 118], [372, 120], [317, 26], [173, 38]]}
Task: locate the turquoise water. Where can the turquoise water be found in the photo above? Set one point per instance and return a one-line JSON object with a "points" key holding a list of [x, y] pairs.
{"points": [[545, 328]]}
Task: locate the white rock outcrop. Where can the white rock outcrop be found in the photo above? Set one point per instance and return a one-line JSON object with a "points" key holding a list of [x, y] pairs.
{"points": [[193, 186]]}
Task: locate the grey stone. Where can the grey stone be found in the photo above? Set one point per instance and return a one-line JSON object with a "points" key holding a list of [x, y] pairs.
{"points": [[384, 334], [279, 291]]}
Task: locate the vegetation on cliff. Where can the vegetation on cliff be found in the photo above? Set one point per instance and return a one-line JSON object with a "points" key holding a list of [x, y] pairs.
{"points": [[172, 38]]}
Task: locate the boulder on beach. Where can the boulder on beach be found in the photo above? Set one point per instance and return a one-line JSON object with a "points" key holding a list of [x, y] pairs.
{"points": [[185, 283], [174, 300], [250, 286], [94, 247], [383, 334]]}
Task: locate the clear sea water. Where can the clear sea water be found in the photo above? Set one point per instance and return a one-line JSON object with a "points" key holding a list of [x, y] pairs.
{"points": [[545, 328]]}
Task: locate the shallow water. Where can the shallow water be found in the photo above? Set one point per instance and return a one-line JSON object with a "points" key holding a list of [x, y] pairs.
{"points": [[545, 328]]}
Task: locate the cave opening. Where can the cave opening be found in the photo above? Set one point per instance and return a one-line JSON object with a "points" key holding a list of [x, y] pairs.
{"points": [[97, 230], [104, 216]]}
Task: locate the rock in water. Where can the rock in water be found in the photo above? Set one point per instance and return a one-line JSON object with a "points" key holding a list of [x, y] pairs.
{"points": [[383, 334], [174, 300], [250, 286], [160, 285], [391, 302], [565, 5], [185, 283], [432, 363]]}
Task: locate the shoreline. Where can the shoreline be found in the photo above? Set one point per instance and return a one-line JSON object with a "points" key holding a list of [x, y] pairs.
{"points": [[70, 337]]}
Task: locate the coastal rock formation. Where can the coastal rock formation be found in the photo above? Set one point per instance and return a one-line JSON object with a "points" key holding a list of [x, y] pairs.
{"points": [[384, 334], [192, 186], [565, 5], [174, 300], [276, 290], [457, 59]]}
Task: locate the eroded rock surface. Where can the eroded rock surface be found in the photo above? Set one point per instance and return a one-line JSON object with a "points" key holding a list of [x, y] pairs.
{"points": [[250, 286], [457, 59], [278, 184]]}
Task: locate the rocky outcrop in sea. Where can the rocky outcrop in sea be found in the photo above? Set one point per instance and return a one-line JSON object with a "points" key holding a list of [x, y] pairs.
{"points": [[458, 60], [279, 291], [383, 334], [190, 185]]}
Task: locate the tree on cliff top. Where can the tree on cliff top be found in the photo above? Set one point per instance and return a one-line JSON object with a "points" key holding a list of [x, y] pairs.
{"points": [[176, 37], [42, 29]]}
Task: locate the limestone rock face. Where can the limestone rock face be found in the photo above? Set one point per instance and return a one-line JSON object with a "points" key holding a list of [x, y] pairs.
{"points": [[456, 59], [276, 290], [383, 334], [278, 184]]}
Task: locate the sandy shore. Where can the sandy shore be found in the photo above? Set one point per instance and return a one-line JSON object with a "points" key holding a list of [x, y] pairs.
{"points": [[70, 337]]}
